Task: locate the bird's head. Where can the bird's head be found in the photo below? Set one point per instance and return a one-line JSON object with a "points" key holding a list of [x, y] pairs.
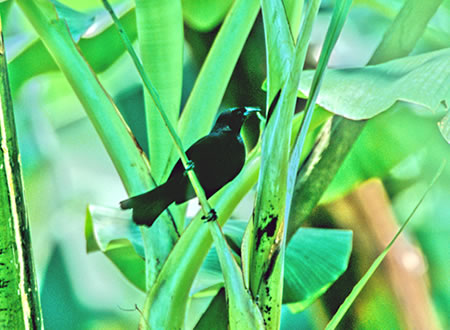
{"points": [[234, 118]]}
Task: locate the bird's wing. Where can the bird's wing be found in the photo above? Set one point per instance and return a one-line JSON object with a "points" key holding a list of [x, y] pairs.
{"points": [[199, 153], [205, 146]]}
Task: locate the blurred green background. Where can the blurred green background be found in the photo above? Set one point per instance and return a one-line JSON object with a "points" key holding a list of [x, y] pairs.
{"points": [[66, 168]]}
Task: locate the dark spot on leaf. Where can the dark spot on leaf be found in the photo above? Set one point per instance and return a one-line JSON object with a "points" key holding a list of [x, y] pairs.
{"points": [[269, 229], [137, 143], [271, 264]]}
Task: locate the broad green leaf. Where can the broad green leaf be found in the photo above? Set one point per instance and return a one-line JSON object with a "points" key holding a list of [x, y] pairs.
{"points": [[197, 307], [5, 8], [205, 15], [209, 275], [315, 258], [105, 224], [112, 232], [362, 93]]}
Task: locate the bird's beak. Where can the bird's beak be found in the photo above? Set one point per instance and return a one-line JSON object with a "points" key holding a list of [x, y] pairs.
{"points": [[250, 110]]}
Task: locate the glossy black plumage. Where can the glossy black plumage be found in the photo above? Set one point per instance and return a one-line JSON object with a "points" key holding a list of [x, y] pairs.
{"points": [[218, 158]]}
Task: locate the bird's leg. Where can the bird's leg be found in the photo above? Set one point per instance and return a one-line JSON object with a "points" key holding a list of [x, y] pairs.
{"points": [[190, 166], [212, 216]]}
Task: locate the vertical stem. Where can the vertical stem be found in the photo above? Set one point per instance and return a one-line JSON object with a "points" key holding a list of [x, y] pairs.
{"points": [[156, 99], [19, 300]]}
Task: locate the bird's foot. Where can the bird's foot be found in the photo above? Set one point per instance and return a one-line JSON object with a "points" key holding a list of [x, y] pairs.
{"points": [[212, 216], [190, 166]]}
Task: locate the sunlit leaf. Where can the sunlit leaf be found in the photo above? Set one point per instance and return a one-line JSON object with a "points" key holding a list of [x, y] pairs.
{"points": [[362, 93], [112, 232], [315, 258]]}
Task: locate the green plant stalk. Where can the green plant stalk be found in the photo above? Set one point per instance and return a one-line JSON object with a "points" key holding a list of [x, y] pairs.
{"points": [[160, 32], [129, 160], [337, 23], [334, 143], [19, 299], [363, 281], [274, 281], [243, 311], [280, 47], [265, 262]]}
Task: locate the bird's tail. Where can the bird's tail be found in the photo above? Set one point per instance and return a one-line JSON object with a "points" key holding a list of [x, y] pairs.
{"points": [[148, 206]]}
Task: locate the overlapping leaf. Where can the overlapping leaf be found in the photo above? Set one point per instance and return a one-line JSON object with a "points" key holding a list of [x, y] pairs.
{"points": [[362, 93]]}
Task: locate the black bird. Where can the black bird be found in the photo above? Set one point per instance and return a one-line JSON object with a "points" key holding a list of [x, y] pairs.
{"points": [[217, 159]]}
